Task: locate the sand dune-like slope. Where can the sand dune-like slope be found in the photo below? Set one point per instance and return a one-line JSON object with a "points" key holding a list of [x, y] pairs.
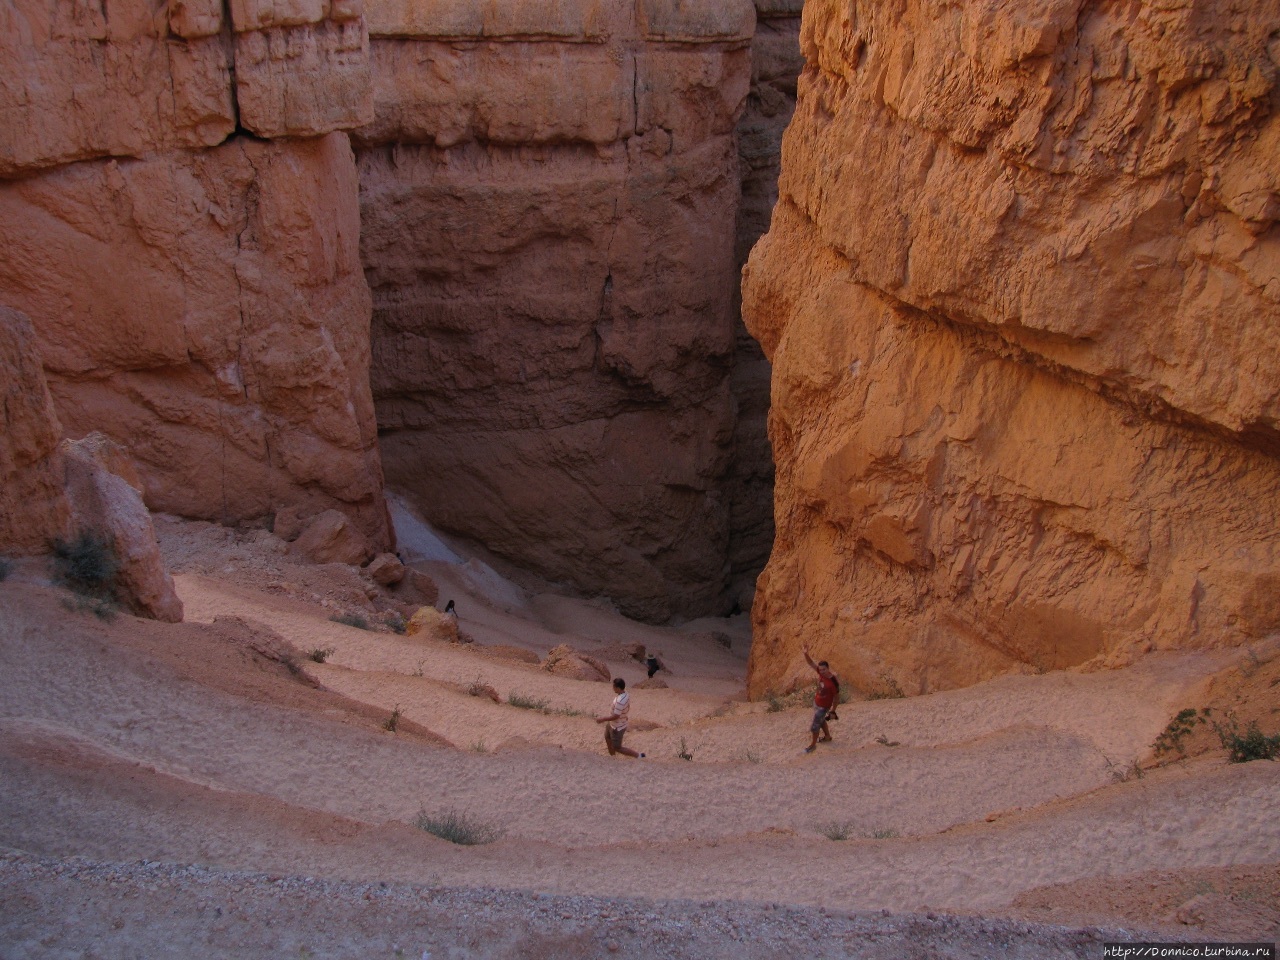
{"points": [[171, 777]]}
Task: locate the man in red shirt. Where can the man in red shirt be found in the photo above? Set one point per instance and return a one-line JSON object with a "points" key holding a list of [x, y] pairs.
{"points": [[824, 701]]}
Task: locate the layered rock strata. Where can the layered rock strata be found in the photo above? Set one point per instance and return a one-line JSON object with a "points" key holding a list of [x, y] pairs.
{"points": [[549, 195], [194, 285], [1021, 293]]}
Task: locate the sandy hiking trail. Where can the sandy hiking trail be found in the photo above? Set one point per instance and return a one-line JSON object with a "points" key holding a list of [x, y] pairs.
{"points": [[172, 783]]}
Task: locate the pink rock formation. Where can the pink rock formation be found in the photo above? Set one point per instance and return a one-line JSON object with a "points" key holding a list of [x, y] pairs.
{"points": [[386, 569], [288, 523], [51, 491], [107, 506], [420, 584], [301, 76], [564, 661], [81, 79], [331, 538], [431, 624], [204, 303], [549, 194], [1020, 294], [33, 511], [209, 311]]}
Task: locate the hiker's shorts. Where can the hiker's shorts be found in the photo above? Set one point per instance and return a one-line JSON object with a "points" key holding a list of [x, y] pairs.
{"points": [[614, 737], [819, 716]]}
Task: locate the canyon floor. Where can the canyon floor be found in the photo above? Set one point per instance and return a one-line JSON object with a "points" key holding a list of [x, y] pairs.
{"points": [[208, 789]]}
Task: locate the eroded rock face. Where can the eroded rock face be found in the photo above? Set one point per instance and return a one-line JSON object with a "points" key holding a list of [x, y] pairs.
{"points": [[550, 192], [1021, 293], [105, 504], [208, 311], [197, 295], [549, 196], [33, 511], [81, 79], [331, 538]]}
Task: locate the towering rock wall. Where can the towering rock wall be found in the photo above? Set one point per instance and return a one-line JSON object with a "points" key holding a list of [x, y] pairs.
{"points": [[180, 222], [549, 195], [1021, 293], [775, 66]]}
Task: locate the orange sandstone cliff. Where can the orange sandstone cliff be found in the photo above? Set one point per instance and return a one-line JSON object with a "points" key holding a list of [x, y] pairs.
{"points": [[529, 261], [180, 222], [1021, 293]]}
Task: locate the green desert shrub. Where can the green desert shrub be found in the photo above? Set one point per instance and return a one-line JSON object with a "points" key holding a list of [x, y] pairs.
{"points": [[87, 565], [392, 722], [888, 689], [457, 828], [836, 830], [351, 620], [527, 702], [1252, 744], [1178, 729], [779, 702]]}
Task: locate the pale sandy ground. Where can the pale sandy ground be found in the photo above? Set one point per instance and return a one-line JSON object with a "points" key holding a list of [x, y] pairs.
{"points": [[172, 791]]}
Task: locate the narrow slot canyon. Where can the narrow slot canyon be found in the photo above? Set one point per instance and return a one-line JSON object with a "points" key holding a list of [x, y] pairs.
{"points": [[866, 411]]}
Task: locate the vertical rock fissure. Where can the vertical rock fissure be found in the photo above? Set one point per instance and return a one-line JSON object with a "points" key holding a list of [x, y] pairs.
{"points": [[228, 38], [243, 366]]}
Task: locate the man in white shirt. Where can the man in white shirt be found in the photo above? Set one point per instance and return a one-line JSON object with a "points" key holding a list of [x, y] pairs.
{"points": [[616, 721]]}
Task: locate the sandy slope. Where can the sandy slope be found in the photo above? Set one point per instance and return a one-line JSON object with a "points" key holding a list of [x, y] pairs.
{"points": [[193, 744]]}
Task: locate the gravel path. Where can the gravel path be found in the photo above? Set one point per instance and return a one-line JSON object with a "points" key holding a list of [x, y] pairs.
{"points": [[80, 908]]}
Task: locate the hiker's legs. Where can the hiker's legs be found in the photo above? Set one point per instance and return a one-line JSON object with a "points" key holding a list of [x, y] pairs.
{"points": [[614, 739], [826, 733], [819, 723]]}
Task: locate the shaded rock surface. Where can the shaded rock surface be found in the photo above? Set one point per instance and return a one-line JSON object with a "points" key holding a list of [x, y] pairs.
{"points": [[748, 483], [386, 569], [33, 511], [550, 197], [1020, 293], [331, 538]]}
